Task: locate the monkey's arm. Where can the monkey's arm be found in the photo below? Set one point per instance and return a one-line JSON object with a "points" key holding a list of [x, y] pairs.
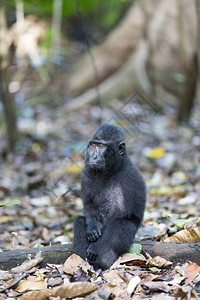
{"points": [[93, 223]]}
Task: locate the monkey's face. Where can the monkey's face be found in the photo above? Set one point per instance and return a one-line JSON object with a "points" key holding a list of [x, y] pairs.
{"points": [[104, 155], [96, 155]]}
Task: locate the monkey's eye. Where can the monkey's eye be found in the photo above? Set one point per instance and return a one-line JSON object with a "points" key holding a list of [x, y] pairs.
{"points": [[101, 146], [92, 146]]}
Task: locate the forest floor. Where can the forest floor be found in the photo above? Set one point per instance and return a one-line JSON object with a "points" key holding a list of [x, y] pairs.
{"points": [[38, 202]]}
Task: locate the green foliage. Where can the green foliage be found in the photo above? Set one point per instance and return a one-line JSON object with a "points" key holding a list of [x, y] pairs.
{"points": [[46, 43], [39, 245], [97, 7], [38, 7], [9, 202], [101, 13], [181, 222], [136, 248], [111, 18]]}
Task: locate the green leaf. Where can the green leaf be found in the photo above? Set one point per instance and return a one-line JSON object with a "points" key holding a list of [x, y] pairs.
{"points": [[135, 248], [9, 202], [170, 215], [39, 245], [181, 222], [111, 18]]}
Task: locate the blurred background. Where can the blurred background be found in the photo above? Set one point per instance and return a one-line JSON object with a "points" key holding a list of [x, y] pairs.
{"points": [[68, 66]]}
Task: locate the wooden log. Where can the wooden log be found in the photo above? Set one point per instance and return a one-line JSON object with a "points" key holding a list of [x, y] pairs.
{"points": [[176, 252], [57, 254]]}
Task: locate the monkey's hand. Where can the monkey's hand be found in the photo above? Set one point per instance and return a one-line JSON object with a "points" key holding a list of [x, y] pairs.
{"points": [[92, 252], [93, 230], [93, 234]]}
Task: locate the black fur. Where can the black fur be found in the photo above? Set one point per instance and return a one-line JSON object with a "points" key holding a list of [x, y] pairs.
{"points": [[114, 197]]}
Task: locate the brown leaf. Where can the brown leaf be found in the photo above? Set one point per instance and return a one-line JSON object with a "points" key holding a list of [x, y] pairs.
{"points": [[162, 296], [185, 292], [5, 275], [159, 262], [130, 259], [191, 235], [74, 263], [14, 281], [113, 277], [66, 291], [27, 285], [53, 281], [28, 264], [45, 234], [153, 286], [191, 271], [133, 283]]}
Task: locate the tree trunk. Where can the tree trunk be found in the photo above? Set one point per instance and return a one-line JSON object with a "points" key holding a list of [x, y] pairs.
{"points": [[20, 14], [8, 103], [191, 77], [56, 28], [190, 71], [198, 36], [114, 51]]}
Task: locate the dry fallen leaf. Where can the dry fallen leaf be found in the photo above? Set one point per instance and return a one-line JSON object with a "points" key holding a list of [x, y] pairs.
{"points": [[153, 286], [159, 262], [74, 167], [191, 235], [117, 289], [5, 275], [74, 263], [186, 292], [16, 279], [77, 289], [130, 259], [191, 271], [169, 190], [154, 153], [178, 279], [162, 296], [112, 277], [28, 264], [133, 283], [27, 285]]}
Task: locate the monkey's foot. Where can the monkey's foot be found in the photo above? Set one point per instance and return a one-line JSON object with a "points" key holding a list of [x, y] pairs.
{"points": [[92, 252]]}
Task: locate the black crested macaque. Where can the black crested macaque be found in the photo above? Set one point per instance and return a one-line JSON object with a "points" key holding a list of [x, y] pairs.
{"points": [[114, 197]]}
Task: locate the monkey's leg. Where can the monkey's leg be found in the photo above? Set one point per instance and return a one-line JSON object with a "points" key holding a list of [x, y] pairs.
{"points": [[116, 239], [80, 240]]}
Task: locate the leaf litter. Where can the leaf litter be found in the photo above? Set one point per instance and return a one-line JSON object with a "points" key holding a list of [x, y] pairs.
{"points": [[130, 276], [41, 182]]}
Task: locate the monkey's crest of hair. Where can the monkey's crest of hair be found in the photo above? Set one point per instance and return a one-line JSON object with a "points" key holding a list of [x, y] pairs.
{"points": [[108, 132]]}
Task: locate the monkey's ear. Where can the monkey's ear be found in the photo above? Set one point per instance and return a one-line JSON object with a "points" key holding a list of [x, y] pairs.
{"points": [[121, 148]]}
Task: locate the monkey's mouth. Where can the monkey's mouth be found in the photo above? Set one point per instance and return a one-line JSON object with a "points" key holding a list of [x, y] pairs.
{"points": [[95, 165]]}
